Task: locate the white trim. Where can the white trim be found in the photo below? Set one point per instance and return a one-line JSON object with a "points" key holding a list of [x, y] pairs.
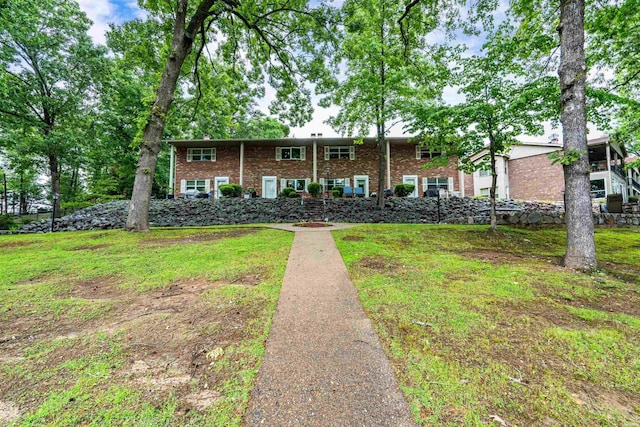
{"points": [[450, 183], [352, 152], [315, 162], [418, 152], [217, 182], [278, 154], [347, 182], [366, 183], [183, 186], [275, 187], [411, 179], [190, 154], [283, 184], [241, 163], [303, 153], [326, 152], [172, 169], [207, 185]]}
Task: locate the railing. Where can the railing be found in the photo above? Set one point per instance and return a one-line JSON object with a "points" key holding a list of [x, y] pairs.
{"points": [[617, 169], [635, 184]]}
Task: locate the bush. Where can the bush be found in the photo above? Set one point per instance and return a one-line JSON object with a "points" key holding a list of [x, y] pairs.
{"points": [[251, 192], [403, 190], [314, 189], [337, 191], [7, 223], [289, 192], [633, 199], [230, 190]]}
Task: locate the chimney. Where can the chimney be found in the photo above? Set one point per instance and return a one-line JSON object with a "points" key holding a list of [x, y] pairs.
{"points": [[206, 137], [313, 135], [319, 135]]}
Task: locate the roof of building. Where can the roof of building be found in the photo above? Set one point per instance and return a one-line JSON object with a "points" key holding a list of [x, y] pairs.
{"points": [[203, 143]]}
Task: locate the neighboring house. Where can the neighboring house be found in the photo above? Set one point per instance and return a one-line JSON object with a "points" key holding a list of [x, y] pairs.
{"points": [[269, 165], [526, 172]]}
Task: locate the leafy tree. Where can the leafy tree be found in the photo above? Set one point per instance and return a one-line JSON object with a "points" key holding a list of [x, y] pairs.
{"points": [[282, 39], [502, 101], [388, 64], [48, 79]]}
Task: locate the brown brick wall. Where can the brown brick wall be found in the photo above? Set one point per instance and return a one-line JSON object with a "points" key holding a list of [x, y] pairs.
{"points": [[468, 185], [535, 178], [261, 161]]}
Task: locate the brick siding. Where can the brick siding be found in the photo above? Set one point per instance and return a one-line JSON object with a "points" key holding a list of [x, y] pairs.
{"points": [[535, 178]]}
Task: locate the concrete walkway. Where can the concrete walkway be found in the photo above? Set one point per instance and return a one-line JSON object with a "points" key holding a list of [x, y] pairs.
{"points": [[323, 365]]}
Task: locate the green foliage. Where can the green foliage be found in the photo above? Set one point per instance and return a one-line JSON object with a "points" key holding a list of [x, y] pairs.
{"points": [[565, 157], [7, 222], [315, 189], [337, 191], [403, 190], [231, 190], [633, 199], [289, 192]]}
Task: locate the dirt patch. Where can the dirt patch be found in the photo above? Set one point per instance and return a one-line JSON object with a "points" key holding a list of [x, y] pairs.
{"points": [[201, 237], [89, 247], [379, 263], [500, 258], [313, 224], [99, 288], [7, 245], [353, 238], [9, 411]]}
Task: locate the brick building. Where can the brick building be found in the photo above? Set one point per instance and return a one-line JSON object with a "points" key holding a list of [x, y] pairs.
{"points": [[268, 165]]}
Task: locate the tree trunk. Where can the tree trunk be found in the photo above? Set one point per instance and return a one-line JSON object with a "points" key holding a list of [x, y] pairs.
{"points": [[494, 183], [580, 250], [382, 167], [138, 218], [54, 170], [23, 196], [4, 185]]}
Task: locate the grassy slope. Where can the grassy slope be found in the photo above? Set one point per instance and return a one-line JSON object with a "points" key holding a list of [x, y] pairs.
{"points": [[113, 328], [482, 328]]}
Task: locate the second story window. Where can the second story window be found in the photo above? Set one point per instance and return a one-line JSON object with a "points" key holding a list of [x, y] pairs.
{"points": [[201, 154], [290, 153], [345, 152]]}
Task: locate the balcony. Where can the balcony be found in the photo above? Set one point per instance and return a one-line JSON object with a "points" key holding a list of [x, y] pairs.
{"points": [[618, 170]]}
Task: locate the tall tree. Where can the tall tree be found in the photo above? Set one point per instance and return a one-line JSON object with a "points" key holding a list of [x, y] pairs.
{"points": [[504, 98], [388, 64], [48, 76], [281, 38], [580, 248]]}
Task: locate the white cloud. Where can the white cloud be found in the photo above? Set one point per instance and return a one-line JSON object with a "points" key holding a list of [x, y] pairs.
{"points": [[104, 12]]}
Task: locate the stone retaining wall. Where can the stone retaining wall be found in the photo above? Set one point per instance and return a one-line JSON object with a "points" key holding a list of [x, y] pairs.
{"points": [[202, 212]]}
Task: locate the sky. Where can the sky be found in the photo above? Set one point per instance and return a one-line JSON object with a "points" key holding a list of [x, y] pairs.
{"points": [[103, 12]]}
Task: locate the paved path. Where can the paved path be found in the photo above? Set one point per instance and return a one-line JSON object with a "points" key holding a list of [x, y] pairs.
{"points": [[323, 364]]}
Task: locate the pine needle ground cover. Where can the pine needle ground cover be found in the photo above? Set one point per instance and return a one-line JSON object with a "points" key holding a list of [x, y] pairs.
{"points": [[112, 328], [489, 329]]}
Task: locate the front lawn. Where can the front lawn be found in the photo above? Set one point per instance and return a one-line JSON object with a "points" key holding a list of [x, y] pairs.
{"points": [[109, 328], [487, 329]]}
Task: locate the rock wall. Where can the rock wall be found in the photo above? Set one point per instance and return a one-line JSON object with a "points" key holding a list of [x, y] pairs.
{"points": [[202, 212]]}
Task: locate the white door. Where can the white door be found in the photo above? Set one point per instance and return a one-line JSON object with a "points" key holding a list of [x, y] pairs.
{"points": [[411, 179], [362, 181], [269, 187], [219, 180]]}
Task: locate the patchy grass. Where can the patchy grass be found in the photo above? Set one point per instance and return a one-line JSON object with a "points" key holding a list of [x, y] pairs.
{"points": [[485, 329], [114, 328]]}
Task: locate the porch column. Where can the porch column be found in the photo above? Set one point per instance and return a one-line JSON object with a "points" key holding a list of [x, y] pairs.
{"points": [[460, 181], [172, 167], [315, 161], [241, 163], [388, 164], [609, 185]]}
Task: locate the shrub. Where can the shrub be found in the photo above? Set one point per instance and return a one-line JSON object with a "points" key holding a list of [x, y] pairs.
{"points": [[7, 223], [337, 191], [251, 192], [403, 190], [230, 190], [633, 199], [289, 192], [314, 189]]}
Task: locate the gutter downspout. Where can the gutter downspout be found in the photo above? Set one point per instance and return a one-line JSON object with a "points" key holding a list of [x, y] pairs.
{"points": [[609, 181], [460, 180]]}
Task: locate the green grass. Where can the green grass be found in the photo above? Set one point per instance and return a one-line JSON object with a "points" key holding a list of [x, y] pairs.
{"points": [[479, 325], [109, 328]]}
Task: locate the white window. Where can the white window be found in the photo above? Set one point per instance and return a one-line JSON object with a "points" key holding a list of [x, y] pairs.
{"points": [[334, 182], [199, 185], [437, 184], [485, 172], [426, 153], [345, 152], [484, 192], [290, 153], [295, 183], [201, 154]]}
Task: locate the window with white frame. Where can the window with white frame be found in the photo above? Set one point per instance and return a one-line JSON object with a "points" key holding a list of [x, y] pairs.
{"points": [[437, 183], [334, 182], [296, 184], [290, 153], [485, 172], [345, 152], [426, 153], [201, 154], [484, 192], [196, 184]]}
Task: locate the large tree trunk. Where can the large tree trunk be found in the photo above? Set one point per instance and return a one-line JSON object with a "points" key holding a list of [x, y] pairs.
{"points": [[138, 218], [494, 183], [581, 250], [54, 170], [382, 168]]}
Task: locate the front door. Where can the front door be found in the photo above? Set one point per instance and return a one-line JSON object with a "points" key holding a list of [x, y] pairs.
{"points": [[219, 180], [411, 179], [269, 187], [362, 181]]}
